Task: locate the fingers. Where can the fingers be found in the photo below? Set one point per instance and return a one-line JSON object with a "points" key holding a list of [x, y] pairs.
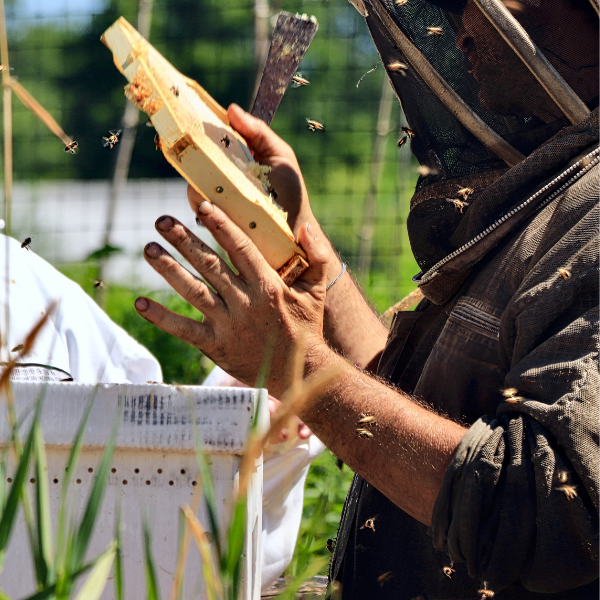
{"points": [[203, 258], [189, 330], [196, 292], [259, 136], [318, 255], [242, 252]]}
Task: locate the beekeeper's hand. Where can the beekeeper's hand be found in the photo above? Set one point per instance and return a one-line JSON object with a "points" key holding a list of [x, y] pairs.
{"points": [[251, 317]]}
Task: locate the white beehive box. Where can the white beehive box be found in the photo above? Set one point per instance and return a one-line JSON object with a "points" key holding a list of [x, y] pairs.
{"points": [[154, 472]]}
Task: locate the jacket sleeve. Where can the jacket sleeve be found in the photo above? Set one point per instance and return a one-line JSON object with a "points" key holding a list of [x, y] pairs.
{"points": [[520, 498]]}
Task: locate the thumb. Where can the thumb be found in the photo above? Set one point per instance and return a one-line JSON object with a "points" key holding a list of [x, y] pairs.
{"points": [[317, 253], [259, 136]]}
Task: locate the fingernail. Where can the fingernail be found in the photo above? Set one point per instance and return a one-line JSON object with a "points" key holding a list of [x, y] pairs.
{"points": [[153, 250], [315, 237], [141, 304], [165, 224], [205, 208]]}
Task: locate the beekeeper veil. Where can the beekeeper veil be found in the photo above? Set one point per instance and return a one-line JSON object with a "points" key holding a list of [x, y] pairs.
{"points": [[477, 79], [482, 84]]}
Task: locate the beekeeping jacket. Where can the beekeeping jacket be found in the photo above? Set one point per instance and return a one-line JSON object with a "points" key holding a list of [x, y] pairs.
{"points": [[511, 303]]}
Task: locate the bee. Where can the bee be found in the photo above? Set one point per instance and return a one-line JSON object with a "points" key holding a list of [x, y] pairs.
{"points": [[400, 2], [485, 593], [157, 142], [562, 476], [226, 141], [98, 283], [366, 419], [369, 524], [364, 433], [510, 396], [569, 490], [384, 577], [409, 132], [564, 273], [402, 141], [298, 80], [330, 545], [18, 348], [314, 125], [71, 147], [398, 67], [26, 243], [448, 571], [465, 192], [435, 31], [113, 138], [459, 204], [424, 170], [175, 91]]}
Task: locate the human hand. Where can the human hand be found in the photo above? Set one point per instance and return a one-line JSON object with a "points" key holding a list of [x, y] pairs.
{"points": [[250, 317]]}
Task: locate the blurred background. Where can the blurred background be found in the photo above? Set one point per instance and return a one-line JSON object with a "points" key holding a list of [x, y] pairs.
{"points": [[359, 181]]}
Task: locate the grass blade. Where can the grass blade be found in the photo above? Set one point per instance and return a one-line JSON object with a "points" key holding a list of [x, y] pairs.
{"points": [[235, 546], [152, 590], [96, 582], [119, 580]]}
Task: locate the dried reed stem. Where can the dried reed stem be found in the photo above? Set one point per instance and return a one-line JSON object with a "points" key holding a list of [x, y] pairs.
{"points": [[404, 304], [6, 120], [38, 110]]}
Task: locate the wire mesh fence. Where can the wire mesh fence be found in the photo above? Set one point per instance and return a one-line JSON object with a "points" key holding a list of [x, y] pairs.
{"points": [[359, 181]]}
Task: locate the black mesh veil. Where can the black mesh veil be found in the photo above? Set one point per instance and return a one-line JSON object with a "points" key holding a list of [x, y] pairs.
{"points": [[441, 142]]}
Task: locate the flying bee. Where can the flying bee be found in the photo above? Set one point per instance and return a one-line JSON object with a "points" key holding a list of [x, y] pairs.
{"points": [[330, 545], [570, 491], [26, 243], [384, 577], [226, 141], [157, 142], [366, 419], [298, 80], [400, 2], [402, 141], [370, 524], [364, 433], [564, 273], [18, 348], [465, 192], [562, 476], [314, 125], [98, 283], [485, 593], [175, 91], [448, 571], [398, 67], [71, 147], [459, 204], [113, 138], [435, 31], [510, 396], [409, 132]]}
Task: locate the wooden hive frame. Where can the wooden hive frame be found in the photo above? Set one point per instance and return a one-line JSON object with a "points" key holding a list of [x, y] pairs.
{"points": [[196, 138]]}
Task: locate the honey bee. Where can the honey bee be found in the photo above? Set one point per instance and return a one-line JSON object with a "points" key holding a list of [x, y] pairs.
{"points": [[435, 31], [370, 524], [298, 80], [564, 273], [485, 593], [398, 67], [71, 147], [157, 142], [570, 491], [459, 204], [26, 243], [402, 141], [510, 396], [424, 170], [18, 348], [314, 125], [400, 2], [330, 545], [175, 91], [364, 433], [465, 192], [384, 577], [98, 283], [226, 141], [366, 419], [112, 139], [448, 571], [409, 132], [562, 476]]}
